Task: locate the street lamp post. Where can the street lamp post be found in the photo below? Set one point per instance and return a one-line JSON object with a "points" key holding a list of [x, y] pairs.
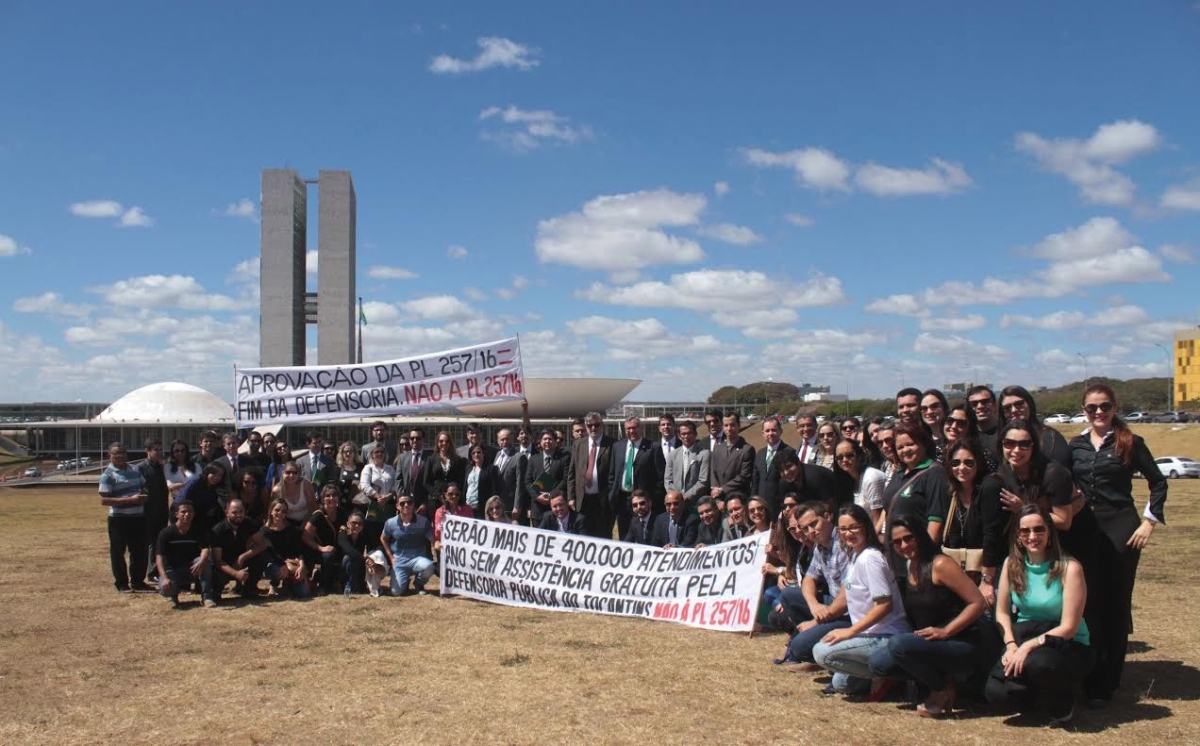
{"points": [[1170, 377], [1085, 375]]}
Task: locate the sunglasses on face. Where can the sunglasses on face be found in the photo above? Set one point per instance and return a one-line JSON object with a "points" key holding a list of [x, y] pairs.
{"points": [[1025, 533], [1014, 406], [845, 457], [967, 462], [757, 509], [849, 428], [956, 422], [289, 474], [930, 407], [1104, 406], [355, 523], [980, 403], [1018, 445], [900, 541], [855, 529]]}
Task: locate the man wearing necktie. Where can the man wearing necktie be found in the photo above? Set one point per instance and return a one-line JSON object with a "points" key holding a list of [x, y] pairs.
{"points": [[675, 528], [509, 468], [589, 480], [641, 527], [806, 431], [732, 462], [765, 482], [689, 467], [313, 466], [633, 468], [560, 517], [410, 470]]}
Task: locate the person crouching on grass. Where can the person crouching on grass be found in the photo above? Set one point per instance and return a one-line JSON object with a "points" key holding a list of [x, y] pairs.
{"points": [[286, 568], [181, 555], [404, 538]]}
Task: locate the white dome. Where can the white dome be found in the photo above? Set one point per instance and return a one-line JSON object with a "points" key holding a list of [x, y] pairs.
{"points": [[168, 402]]}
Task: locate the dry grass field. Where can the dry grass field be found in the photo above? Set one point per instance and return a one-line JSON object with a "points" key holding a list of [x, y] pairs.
{"points": [[80, 663]]}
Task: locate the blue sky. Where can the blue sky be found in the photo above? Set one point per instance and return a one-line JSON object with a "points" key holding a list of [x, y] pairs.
{"points": [[685, 193]]}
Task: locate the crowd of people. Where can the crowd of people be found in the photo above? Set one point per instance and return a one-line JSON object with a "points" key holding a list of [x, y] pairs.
{"points": [[961, 548]]}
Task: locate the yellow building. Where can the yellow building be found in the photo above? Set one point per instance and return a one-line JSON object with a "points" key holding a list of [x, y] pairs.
{"points": [[1187, 367]]}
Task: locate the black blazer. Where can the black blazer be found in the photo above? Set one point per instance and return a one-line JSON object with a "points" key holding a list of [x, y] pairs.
{"points": [[575, 523], [765, 481], [818, 483], [487, 487], [405, 484], [646, 475], [686, 535], [556, 465], [709, 536], [635, 535], [438, 477]]}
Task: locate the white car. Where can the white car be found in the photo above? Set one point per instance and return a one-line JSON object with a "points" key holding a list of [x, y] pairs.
{"points": [[1057, 419], [1079, 419], [32, 472], [1173, 467]]}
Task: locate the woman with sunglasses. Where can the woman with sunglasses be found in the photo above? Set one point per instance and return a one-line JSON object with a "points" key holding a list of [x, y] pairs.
{"points": [[281, 456], [1040, 613], [865, 482], [873, 601], [759, 514], [943, 606], [444, 468], [479, 481], [851, 429], [828, 436], [286, 568], [788, 554], [452, 504], [348, 471], [352, 545], [885, 439], [934, 408], [1104, 459], [961, 425], [1026, 476], [320, 538], [922, 490], [178, 468], [1016, 403], [296, 495], [248, 487], [965, 468]]}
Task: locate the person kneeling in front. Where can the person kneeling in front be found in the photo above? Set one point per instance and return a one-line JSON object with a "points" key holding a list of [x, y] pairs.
{"points": [[1047, 647], [181, 555], [817, 606], [237, 552], [404, 538], [876, 610], [562, 518]]}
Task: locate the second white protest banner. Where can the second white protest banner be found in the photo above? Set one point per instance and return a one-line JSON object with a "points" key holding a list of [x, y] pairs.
{"points": [[442, 380], [716, 587]]}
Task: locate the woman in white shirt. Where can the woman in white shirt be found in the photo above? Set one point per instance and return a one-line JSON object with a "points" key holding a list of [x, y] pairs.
{"points": [[378, 483], [178, 468], [866, 482]]}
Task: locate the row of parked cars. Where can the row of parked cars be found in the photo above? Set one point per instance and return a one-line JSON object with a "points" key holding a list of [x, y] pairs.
{"points": [[74, 463], [1167, 417]]}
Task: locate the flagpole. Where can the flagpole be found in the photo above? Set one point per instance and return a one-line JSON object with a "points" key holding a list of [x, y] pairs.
{"points": [[360, 318]]}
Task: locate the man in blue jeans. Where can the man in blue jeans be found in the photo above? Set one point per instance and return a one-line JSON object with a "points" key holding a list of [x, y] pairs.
{"points": [[814, 613], [404, 539], [181, 555]]}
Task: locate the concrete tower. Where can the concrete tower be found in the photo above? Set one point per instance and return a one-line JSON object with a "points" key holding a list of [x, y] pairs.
{"points": [[284, 243], [335, 269]]}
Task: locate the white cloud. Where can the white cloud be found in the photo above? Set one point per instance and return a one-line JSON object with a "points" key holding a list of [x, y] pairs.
{"points": [[311, 262], [101, 208], [796, 219], [243, 208], [51, 303], [951, 345], [623, 232], [816, 350], [10, 247], [904, 304], [1124, 315], [474, 294], [247, 271], [1095, 238], [641, 339], [494, 51], [940, 177], [439, 307], [953, 323], [162, 291], [1089, 163], [1133, 264], [1182, 196], [390, 273], [135, 217], [734, 291], [454, 251], [527, 129], [721, 188], [737, 235], [1177, 254], [815, 168]]}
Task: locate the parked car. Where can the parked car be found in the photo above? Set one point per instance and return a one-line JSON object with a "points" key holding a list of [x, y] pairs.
{"points": [[1057, 419], [1136, 417], [1172, 417], [85, 461], [1173, 467], [1079, 419], [33, 472]]}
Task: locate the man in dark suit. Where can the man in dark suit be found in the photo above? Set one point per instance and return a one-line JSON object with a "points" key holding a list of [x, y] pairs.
{"points": [[811, 482], [254, 455], [642, 525], [315, 466], [633, 468], [732, 462], [765, 482], [509, 467], [690, 466], [716, 435], [711, 530], [667, 442], [228, 460], [560, 517], [590, 476], [411, 466], [545, 477], [674, 528], [475, 438]]}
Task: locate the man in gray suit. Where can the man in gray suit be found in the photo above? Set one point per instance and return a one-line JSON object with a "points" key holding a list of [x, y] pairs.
{"points": [[474, 438], [509, 465], [732, 462], [590, 477], [689, 466]]}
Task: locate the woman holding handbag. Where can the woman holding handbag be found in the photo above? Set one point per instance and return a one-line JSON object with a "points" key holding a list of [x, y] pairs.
{"points": [[1040, 613], [962, 536]]}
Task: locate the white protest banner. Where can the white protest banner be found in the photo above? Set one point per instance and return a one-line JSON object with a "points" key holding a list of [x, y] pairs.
{"points": [[715, 587], [471, 375]]}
